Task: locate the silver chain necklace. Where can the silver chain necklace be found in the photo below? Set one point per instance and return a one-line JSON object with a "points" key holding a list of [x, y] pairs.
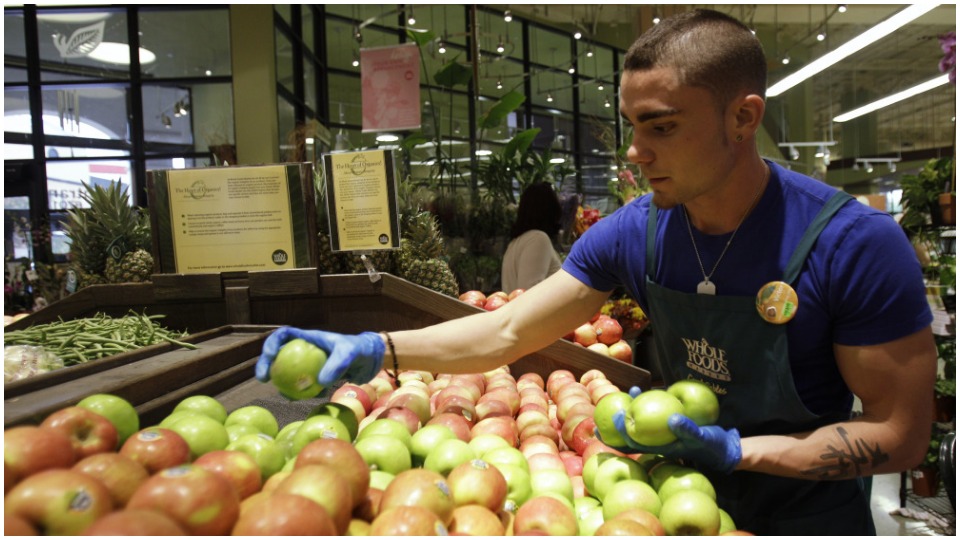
{"points": [[706, 286]]}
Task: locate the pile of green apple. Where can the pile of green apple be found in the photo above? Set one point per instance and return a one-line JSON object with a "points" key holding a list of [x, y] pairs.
{"points": [[427, 454]]}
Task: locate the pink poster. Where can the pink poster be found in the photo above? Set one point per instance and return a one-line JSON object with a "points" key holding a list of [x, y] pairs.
{"points": [[390, 87]]}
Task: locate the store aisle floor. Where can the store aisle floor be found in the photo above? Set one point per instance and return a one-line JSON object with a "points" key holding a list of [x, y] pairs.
{"points": [[886, 498]]}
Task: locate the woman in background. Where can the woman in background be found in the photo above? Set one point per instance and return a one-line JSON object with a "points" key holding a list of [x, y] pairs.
{"points": [[531, 256]]}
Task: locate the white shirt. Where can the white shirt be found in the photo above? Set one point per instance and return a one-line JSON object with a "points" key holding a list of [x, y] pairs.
{"points": [[529, 259]]}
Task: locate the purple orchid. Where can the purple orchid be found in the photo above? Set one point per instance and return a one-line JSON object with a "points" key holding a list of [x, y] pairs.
{"points": [[948, 64]]}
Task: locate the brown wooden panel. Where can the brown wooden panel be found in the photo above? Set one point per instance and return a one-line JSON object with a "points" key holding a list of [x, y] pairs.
{"points": [[298, 281], [187, 286]]}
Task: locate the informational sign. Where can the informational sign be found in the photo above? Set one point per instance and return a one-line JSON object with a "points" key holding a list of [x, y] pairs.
{"points": [[225, 219], [362, 200], [390, 88]]}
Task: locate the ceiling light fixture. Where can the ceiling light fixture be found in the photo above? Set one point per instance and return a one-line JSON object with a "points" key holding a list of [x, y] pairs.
{"points": [[894, 98], [786, 59], [882, 29], [499, 84], [577, 35], [411, 20], [119, 53], [165, 120], [794, 153], [868, 164], [656, 19], [600, 87], [387, 137], [549, 97], [507, 16], [356, 60], [572, 69], [590, 51], [842, 8], [441, 47], [500, 47], [868, 167], [821, 36], [606, 102]]}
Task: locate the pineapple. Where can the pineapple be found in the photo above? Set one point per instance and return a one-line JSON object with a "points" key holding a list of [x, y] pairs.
{"points": [[382, 261], [109, 241], [327, 261], [420, 257]]}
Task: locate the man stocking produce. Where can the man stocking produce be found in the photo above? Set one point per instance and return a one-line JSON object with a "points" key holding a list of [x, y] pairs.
{"points": [[784, 295]]}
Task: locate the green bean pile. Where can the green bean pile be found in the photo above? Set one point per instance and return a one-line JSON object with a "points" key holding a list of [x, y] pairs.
{"points": [[81, 340]]}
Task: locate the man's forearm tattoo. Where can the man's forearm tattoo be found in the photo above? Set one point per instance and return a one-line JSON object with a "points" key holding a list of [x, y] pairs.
{"points": [[847, 459]]}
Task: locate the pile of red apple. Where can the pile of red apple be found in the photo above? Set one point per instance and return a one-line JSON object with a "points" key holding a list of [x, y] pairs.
{"points": [[491, 302], [423, 454], [602, 334]]}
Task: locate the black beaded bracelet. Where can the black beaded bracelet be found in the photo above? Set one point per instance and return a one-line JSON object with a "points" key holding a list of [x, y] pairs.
{"points": [[393, 353]]}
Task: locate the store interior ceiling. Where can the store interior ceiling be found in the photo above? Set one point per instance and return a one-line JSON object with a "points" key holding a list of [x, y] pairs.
{"points": [[907, 57]]}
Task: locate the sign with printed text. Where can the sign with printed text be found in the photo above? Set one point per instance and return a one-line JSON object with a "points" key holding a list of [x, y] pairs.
{"points": [[224, 219], [390, 88], [362, 200]]}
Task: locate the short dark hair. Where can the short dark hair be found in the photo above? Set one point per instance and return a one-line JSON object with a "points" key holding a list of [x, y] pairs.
{"points": [[708, 49], [539, 209]]}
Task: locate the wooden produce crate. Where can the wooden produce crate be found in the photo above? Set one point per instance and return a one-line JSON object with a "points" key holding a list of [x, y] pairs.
{"points": [[231, 316]]}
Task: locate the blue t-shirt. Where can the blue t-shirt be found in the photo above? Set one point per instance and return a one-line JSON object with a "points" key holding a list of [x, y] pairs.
{"points": [[861, 284]]}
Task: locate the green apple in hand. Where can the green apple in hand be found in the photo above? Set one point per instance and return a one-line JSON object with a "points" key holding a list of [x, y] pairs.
{"points": [[603, 417], [646, 419], [117, 410], [294, 371], [700, 403]]}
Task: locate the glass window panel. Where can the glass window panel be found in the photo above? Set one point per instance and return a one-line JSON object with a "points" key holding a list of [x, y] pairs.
{"points": [[597, 102], [377, 38], [598, 66], [445, 21], [496, 31], [161, 164], [65, 180], [66, 39], [549, 48], [310, 84], [345, 98], [284, 11], [342, 49], [87, 112], [16, 111], [284, 54], [14, 47], [167, 123], [549, 85], [507, 74], [190, 43], [17, 151], [450, 111], [286, 123], [597, 136], [383, 13], [307, 28], [211, 114]]}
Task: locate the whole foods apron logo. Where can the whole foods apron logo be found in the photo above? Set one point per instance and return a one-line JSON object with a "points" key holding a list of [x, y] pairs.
{"points": [[279, 257], [707, 359]]}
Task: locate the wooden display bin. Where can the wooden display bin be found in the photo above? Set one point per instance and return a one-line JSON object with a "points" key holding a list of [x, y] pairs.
{"points": [[229, 316]]}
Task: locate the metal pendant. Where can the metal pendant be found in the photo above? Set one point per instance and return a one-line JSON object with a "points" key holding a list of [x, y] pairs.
{"points": [[706, 287], [777, 302]]}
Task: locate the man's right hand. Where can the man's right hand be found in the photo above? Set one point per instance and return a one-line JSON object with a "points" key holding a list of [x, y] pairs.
{"points": [[355, 358]]}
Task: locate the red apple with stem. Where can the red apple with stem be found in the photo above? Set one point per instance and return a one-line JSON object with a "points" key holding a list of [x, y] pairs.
{"points": [[156, 449], [478, 482], [59, 501], [89, 432], [421, 488]]}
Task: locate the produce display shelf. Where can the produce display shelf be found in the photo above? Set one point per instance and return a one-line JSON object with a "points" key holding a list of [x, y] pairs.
{"points": [[229, 316]]}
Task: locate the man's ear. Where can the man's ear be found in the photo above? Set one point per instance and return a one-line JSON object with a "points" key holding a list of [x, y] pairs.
{"points": [[747, 113]]}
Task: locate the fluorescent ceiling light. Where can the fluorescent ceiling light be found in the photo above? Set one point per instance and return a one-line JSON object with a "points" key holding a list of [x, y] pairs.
{"points": [[893, 98], [876, 33], [388, 137], [119, 53]]}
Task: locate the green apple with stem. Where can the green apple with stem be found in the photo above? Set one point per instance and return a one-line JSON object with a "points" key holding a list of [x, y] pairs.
{"points": [[120, 412], [646, 419], [700, 403]]}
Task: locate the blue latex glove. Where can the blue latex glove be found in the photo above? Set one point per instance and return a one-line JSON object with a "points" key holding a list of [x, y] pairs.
{"points": [[357, 358], [710, 446]]}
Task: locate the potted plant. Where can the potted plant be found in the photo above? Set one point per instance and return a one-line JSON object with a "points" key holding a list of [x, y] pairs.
{"points": [[945, 389]]}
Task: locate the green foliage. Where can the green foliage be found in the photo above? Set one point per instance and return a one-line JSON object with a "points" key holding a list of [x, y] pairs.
{"points": [[921, 192]]}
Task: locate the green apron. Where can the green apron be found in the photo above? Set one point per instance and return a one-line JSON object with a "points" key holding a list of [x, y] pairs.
{"points": [[724, 342]]}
